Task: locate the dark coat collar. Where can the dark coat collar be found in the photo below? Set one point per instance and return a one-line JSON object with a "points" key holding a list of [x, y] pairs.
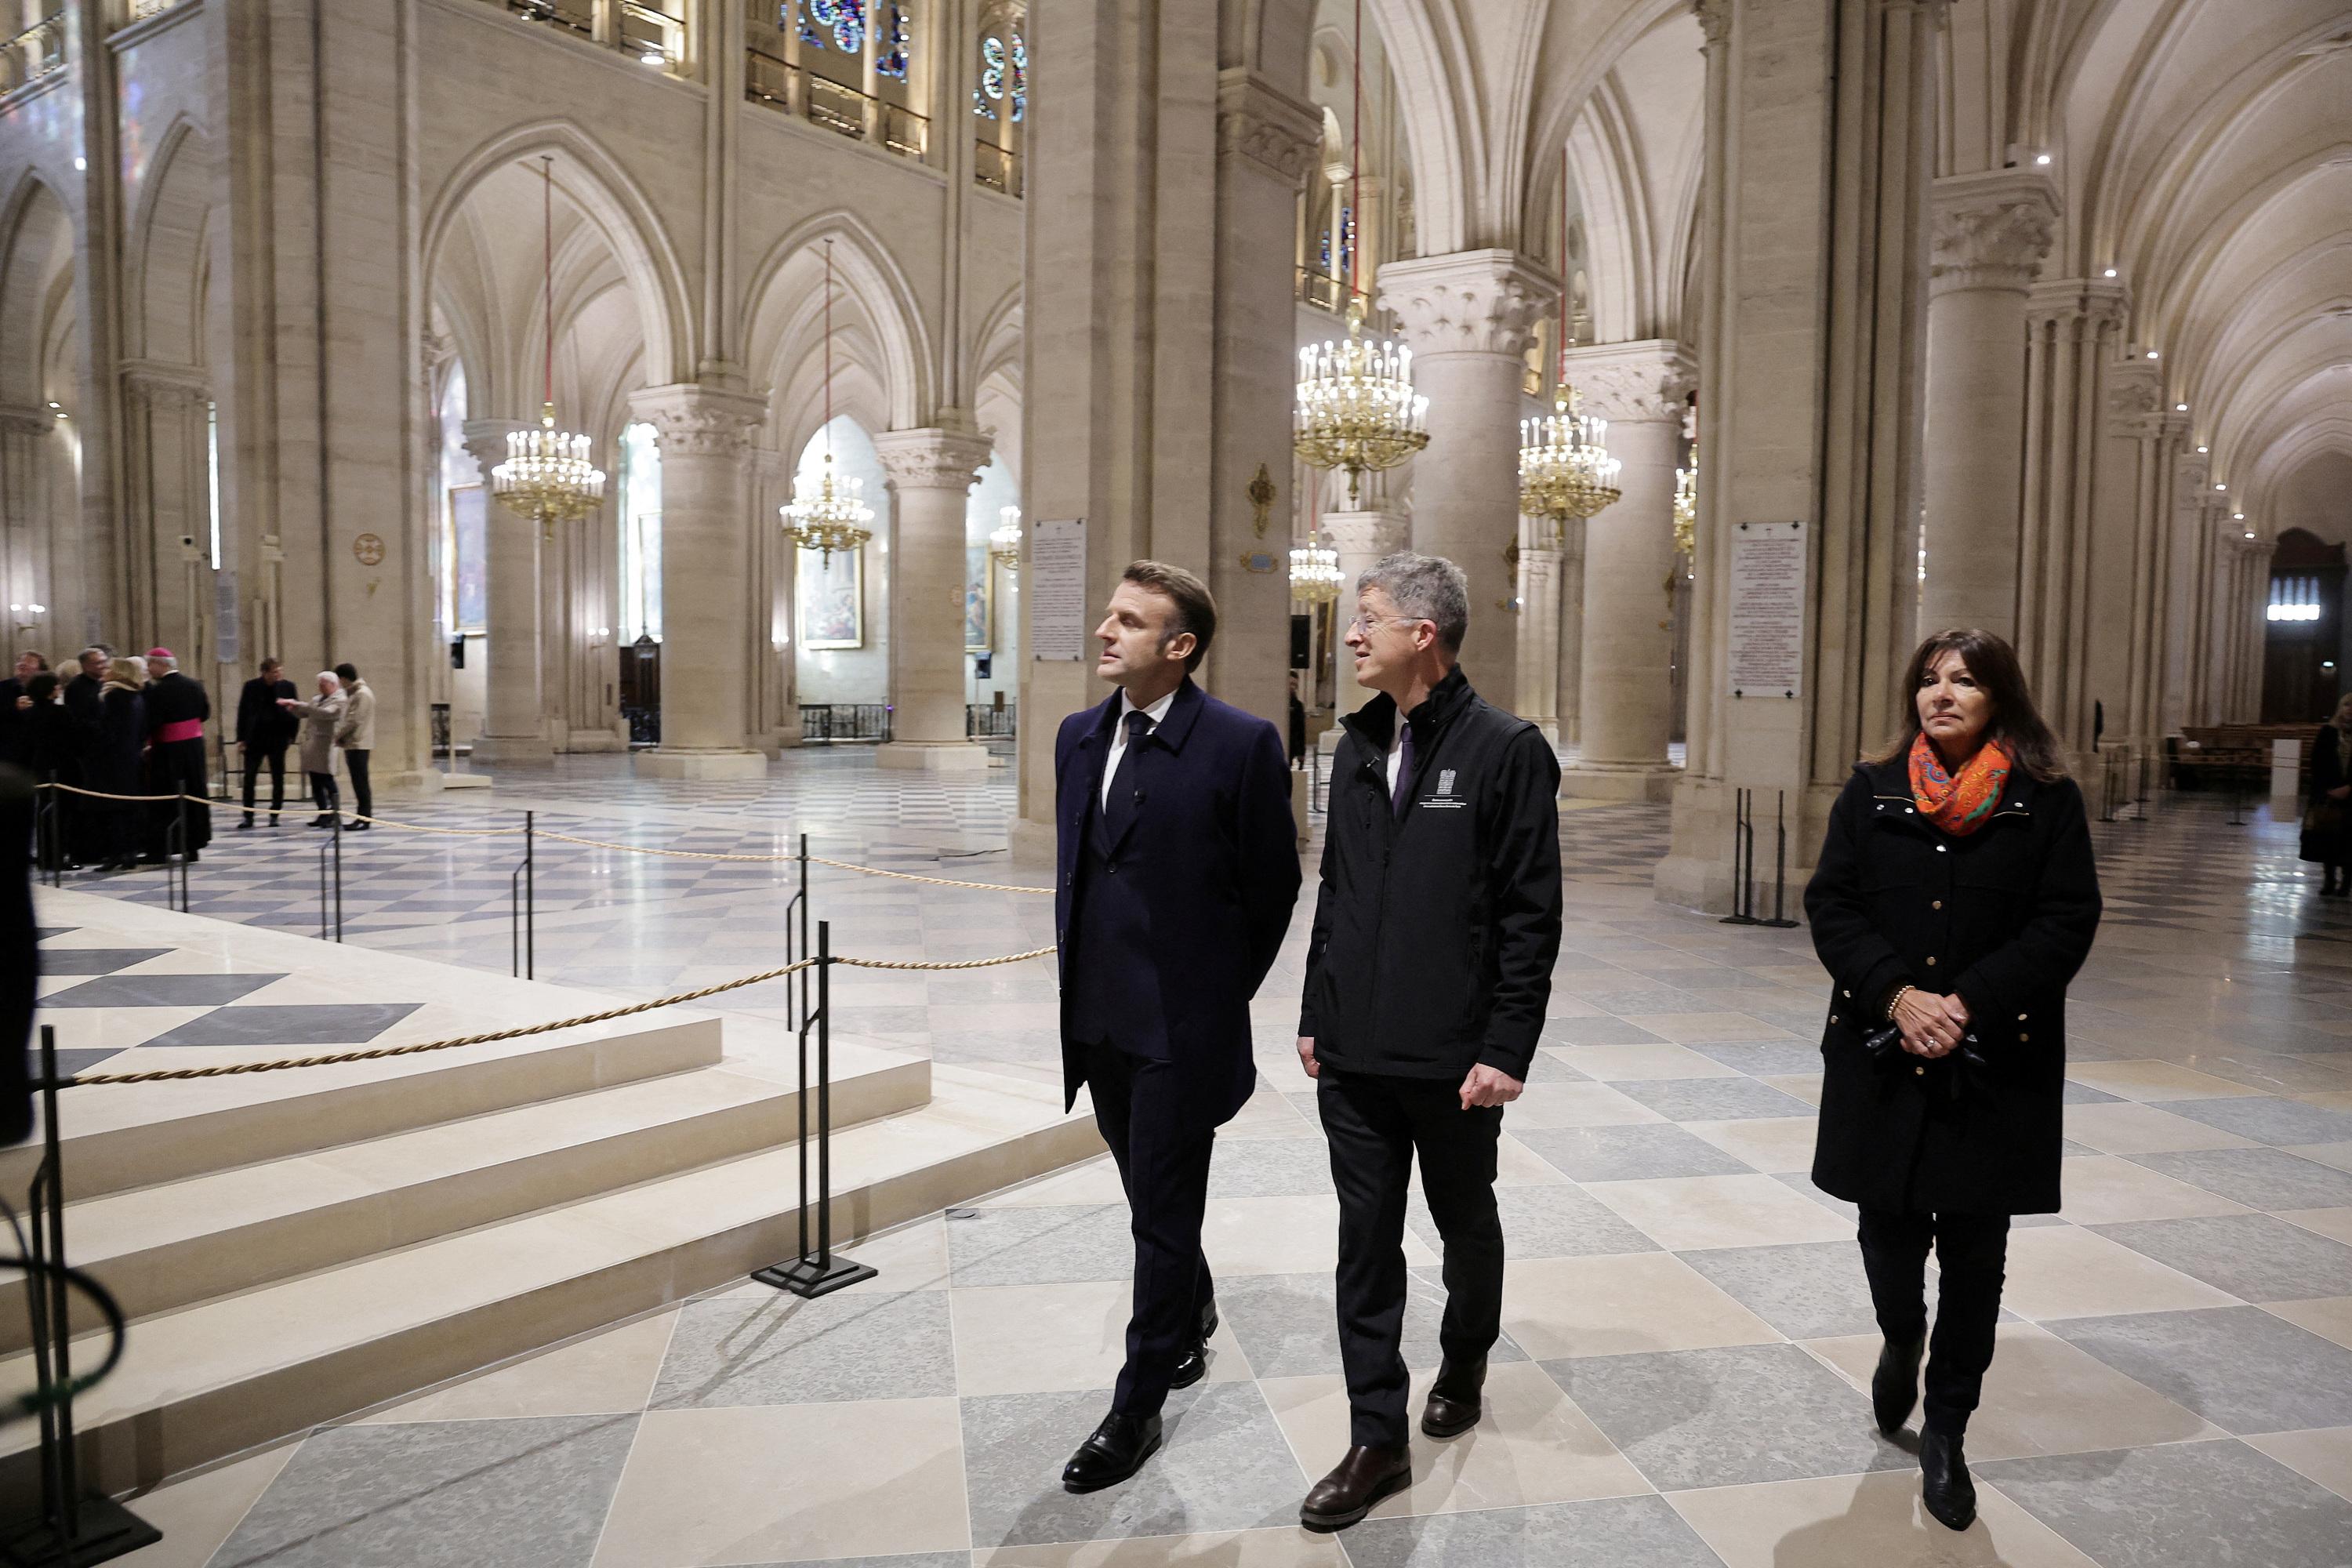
{"points": [[1170, 732], [1375, 722]]}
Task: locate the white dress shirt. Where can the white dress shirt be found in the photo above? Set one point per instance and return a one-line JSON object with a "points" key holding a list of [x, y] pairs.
{"points": [[1158, 710]]}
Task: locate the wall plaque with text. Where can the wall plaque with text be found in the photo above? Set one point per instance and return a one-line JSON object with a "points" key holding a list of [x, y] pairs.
{"points": [[1766, 651], [1057, 590]]}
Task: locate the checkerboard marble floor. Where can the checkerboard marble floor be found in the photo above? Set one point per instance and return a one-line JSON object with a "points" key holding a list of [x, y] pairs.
{"points": [[1687, 1329]]}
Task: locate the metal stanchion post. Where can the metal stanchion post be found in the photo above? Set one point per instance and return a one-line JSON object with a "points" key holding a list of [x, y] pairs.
{"points": [[1743, 863], [180, 807], [820, 1273], [73, 1529], [530, 899], [1780, 859]]}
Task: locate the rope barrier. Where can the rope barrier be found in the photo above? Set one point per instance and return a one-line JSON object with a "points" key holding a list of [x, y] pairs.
{"points": [[570, 838], [382, 1053]]}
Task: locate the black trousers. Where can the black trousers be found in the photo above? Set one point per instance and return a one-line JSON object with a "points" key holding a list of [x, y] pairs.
{"points": [[1162, 1153], [362, 794], [323, 792], [1375, 1126], [178, 767], [274, 756], [1971, 1250]]}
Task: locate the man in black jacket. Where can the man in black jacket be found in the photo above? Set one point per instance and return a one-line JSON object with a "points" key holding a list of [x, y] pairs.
{"points": [[1178, 866], [87, 836], [15, 727], [264, 730], [1426, 979], [177, 711]]}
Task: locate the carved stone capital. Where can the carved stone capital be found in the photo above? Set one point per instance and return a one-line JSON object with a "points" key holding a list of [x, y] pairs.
{"points": [[30, 423], [2088, 306], [1473, 302], [1990, 230], [485, 441], [1367, 534], [934, 459], [1628, 382], [1256, 120], [2135, 400], [2192, 481], [691, 420], [1714, 20], [162, 386]]}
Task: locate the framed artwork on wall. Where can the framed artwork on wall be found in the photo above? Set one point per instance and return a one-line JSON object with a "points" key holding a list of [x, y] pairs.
{"points": [[469, 557], [833, 598], [979, 600]]}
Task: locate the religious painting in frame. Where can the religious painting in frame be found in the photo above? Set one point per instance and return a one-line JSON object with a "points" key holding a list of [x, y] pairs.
{"points": [[979, 600], [469, 562], [833, 598]]}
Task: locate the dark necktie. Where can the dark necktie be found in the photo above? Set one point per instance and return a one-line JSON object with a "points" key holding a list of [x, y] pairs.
{"points": [[1404, 773], [1118, 809]]}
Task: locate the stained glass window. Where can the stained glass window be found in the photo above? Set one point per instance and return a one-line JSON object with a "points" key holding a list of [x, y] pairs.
{"points": [[641, 537], [841, 21], [1003, 75], [891, 43]]}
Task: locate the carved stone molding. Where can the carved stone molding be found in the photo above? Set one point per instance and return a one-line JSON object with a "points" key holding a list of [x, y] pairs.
{"points": [[165, 385], [1373, 533], [1273, 130], [29, 423], [691, 420], [1629, 382], [933, 459], [1473, 302], [485, 441], [2135, 400], [1714, 20], [1990, 230], [2089, 305]]}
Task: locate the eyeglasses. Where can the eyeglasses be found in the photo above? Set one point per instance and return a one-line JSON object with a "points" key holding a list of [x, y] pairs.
{"points": [[1367, 625]]}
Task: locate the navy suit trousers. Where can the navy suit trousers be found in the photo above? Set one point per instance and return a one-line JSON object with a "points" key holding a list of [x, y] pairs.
{"points": [[1163, 1163]]}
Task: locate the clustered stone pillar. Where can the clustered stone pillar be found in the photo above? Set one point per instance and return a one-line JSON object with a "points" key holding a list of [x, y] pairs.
{"points": [[1357, 539], [1468, 318], [514, 722], [1538, 602], [1568, 685], [704, 433], [1988, 235], [931, 472], [1625, 714]]}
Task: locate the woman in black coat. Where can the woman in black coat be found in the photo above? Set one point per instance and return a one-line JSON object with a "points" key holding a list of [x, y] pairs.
{"points": [[2331, 780], [112, 766], [1953, 901]]}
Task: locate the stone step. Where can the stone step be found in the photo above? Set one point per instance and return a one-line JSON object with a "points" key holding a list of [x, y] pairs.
{"points": [[214, 1379], [169, 1246]]}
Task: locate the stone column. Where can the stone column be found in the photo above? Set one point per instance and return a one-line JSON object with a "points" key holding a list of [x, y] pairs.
{"points": [[1820, 140], [931, 472], [1625, 715], [514, 720], [1358, 538], [1989, 233], [1568, 682], [704, 432], [2188, 653], [1469, 317], [1538, 602]]}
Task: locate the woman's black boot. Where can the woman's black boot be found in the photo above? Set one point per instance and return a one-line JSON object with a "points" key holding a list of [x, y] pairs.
{"points": [[1945, 1484], [1895, 1386]]}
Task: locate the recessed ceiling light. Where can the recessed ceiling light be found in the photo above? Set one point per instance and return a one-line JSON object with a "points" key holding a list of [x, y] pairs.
{"points": [[2181, 408], [2151, 354], [2111, 272], [2250, 534], [2042, 157], [2220, 487], [2201, 449]]}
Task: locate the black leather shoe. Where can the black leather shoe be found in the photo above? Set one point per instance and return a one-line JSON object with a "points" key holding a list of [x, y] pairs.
{"points": [[1895, 1386], [1208, 1322], [1945, 1484], [1455, 1402], [1190, 1368], [1112, 1452], [1354, 1485], [246, 827]]}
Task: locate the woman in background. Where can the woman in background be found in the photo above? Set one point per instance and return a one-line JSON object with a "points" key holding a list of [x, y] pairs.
{"points": [[2328, 824]]}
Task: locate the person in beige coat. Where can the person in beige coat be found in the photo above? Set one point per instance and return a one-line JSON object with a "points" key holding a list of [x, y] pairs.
{"points": [[356, 736], [321, 717]]}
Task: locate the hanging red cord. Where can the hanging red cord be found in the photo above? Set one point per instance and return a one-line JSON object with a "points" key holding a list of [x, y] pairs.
{"points": [[547, 272], [1355, 159], [1563, 267], [828, 350]]}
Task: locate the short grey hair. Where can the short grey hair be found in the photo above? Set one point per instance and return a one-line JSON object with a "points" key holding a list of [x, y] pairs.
{"points": [[1427, 588]]}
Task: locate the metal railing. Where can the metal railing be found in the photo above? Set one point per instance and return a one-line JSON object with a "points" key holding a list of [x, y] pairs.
{"points": [[1322, 290], [140, 10], [998, 168], [987, 721], [834, 721], [829, 105], [646, 32], [36, 52]]}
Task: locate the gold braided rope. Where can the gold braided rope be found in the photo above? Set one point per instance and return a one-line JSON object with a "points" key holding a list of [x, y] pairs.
{"points": [[382, 1053], [281, 810]]}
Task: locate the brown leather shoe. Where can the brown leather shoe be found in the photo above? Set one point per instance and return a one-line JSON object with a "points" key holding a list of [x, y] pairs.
{"points": [[1455, 1399], [1354, 1485]]}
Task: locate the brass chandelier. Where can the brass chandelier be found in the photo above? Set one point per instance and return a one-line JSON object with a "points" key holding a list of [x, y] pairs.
{"points": [[1686, 509], [1356, 409], [1565, 468], [1314, 573], [830, 514], [549, 473], [1004, 539]]}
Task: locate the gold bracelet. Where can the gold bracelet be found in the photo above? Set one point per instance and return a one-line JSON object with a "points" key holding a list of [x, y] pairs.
{"points": [[1894, 1001]]}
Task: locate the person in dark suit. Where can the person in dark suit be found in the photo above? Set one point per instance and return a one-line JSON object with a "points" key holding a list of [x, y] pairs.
{"points": [[114, 766], [177, 709], [1954, 898], [90, 830], [1177, 869], [2328, 833], [263, 730], [50, 743], [16, 707]]}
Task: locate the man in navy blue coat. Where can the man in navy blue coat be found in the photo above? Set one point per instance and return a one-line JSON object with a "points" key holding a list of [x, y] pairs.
{"points": [[1177, 869]]}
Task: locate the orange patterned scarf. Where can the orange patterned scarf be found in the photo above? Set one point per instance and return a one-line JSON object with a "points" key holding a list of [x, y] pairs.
{"points": [[1957, 803]]}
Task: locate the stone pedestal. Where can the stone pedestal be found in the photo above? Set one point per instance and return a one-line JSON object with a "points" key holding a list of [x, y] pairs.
{"points": [[931, 472], [1357, 539], [704, 434], [514, 722], [1468, 318], [1988, 232], [1626, 711]]}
